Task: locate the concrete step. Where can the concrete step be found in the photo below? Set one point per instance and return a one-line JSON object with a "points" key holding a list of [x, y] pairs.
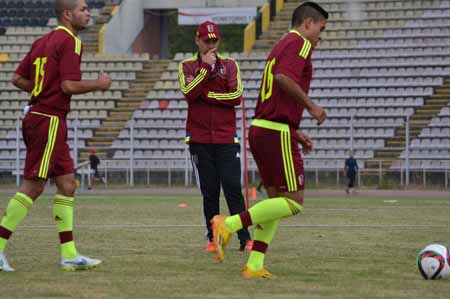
{"points": [[114, 124], [102, 134], [374, 164], [123, 117], [437, 101], [131, 105], [139, 87], [102, 139], [382, 154]]}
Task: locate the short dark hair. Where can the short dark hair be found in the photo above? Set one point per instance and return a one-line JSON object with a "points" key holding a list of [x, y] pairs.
{"points": [[308, 10], [61, 5]]}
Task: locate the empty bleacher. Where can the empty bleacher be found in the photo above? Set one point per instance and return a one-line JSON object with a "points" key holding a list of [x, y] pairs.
{"points": [[379, 62], [377, 69]]}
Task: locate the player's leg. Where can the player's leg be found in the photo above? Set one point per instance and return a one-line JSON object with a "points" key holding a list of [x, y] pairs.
{"points": [[263, 235], [38, 135], [17, 209], [63, 213], [71, 260], [204, 164], [229, 167], [282, 172], [351, 182], [63, 171]]}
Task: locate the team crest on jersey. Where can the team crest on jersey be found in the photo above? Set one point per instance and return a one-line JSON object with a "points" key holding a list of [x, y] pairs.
{"points": [[301, 179], [222, 70]]}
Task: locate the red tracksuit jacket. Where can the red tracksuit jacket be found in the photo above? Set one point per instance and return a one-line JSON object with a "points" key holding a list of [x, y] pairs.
{"points": [[212, 95]]}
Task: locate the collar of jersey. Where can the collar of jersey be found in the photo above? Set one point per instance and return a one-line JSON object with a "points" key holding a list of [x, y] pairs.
{"points": [[299, 34], [66, 30]]}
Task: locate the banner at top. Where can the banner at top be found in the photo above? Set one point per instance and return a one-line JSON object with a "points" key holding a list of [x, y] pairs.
{"points": [[218, 15]]}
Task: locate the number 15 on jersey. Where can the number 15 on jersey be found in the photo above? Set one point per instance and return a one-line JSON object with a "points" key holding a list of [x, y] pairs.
{"points": [[39, 62]]}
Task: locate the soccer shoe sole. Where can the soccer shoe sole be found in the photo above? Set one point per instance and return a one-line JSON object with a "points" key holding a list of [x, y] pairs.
{"points": [[7, 270], [249, 274], [83, 268], [219, 231]]}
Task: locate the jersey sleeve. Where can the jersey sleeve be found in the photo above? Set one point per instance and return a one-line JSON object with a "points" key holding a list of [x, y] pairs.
{"points": [[293, 59], [192, 82], [23, 69], [235, 87], [70, 59]]}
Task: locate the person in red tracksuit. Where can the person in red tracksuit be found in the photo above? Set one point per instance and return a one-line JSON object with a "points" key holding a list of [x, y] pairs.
{"points": [[212, 86]]}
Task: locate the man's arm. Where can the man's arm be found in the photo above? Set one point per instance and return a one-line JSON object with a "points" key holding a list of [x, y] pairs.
{"points": [[232, 98], [22, 82], [292, 89], [192, 88], [78, 87], [20, 78]]}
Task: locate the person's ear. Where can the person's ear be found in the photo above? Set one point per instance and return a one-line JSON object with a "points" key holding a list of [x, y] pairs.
{"points": [[308, 23]]}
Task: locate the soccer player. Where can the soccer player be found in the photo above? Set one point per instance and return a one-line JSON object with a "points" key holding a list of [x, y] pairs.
{"points": [[274, 137], [212, 86], [51, 73]]}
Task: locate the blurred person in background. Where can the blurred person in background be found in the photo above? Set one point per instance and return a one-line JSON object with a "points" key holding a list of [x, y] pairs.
{"points": [[350, 170]]}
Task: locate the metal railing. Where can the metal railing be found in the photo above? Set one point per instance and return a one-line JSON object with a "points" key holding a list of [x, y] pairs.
{"points": [[134, 170]]}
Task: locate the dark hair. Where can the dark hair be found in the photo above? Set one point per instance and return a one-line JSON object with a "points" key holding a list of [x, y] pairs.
{"points": [[308, 10], [61, 5]]}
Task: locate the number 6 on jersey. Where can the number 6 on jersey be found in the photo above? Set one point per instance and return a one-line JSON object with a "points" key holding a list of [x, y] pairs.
{"points": [[266, 89]]}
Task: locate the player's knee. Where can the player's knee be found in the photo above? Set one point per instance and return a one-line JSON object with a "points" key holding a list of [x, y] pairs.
{"points": [[33, 189], [296, 196], [68, 187]]}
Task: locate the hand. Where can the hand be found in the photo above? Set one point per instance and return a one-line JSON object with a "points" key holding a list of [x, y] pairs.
{"points": [[103, 80], [209, 57], [305, 141], [318, 113]]}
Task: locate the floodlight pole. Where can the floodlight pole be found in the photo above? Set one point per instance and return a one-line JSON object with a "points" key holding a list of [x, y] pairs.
{"points": [[186, 159], [18, 152], [244, 145], [131, 151], [351, 133], [407, 152], [75, 140]]}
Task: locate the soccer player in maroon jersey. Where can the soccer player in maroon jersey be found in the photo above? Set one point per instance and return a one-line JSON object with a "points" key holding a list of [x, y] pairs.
{"points": [[274, 136], [51, 73]]}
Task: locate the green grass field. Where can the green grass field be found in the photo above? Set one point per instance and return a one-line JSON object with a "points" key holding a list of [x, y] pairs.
{"points": [[363, 247]]}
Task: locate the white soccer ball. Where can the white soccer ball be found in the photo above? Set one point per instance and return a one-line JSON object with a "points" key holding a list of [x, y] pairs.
{"points": [[434, 262]]}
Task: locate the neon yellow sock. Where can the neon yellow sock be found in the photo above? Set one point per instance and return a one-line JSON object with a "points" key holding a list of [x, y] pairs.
{"points": [[16, 211], [266, 211], [63, 215], [263, 236]]}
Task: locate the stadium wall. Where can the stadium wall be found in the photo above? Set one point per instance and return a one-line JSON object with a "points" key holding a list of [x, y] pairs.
{"points": [[171, 4], [126, 24]]}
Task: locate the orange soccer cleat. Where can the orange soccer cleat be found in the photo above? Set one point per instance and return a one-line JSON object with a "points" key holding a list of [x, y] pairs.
{"points": [[248, 274], [210, 247], [221, 236]]}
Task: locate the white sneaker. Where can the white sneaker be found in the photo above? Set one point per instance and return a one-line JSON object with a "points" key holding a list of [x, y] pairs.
{"points": [[4, 266], [80, 262]]}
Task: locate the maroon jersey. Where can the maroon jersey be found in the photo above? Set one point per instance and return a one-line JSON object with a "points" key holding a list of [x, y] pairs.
{"points": [[53, 58], [212, 95], [290, 57]]}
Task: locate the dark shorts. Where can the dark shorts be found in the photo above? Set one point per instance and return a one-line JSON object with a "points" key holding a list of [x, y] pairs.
{"points": [[277, 156], [48, 154]]}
